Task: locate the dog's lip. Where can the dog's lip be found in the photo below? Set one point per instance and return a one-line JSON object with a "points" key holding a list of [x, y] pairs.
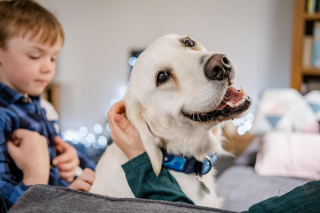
{"points": [[234, 103]]}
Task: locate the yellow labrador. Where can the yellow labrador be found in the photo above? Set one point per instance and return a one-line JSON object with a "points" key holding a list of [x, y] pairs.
{"points": [[178, 94]]}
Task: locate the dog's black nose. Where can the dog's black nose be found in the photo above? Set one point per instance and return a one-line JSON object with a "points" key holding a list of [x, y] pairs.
{"points": [[217, 67]]}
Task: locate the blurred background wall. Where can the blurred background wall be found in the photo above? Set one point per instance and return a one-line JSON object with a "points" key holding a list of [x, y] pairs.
{"points": [[100, 35]]}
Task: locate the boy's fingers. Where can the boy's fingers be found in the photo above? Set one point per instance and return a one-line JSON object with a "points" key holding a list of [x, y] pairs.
{"points": [[58, 140], [122, 122], [59, 149], [16, 142], [61, 158], [68, 176], [18, 134], [118, 107], [87, 175], [12, 149], [82, 186], [112, 130], [68, 166], [59, 144]]}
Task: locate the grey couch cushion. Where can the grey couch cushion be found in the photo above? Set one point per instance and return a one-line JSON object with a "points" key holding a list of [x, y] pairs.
{"points": [[43, 198], [248, 157], [242, 187]]}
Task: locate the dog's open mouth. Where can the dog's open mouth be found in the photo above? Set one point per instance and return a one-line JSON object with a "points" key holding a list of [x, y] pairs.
{"points": [[233, 104]]}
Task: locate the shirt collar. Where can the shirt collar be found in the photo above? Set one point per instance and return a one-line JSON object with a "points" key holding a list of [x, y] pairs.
{"points": [[13, 96]]}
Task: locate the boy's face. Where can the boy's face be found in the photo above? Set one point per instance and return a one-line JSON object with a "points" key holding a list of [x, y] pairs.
{"points": [[27, 65]]}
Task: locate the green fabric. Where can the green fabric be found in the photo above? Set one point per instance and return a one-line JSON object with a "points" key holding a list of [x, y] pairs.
{"points": [[145, 184], [305, 198]]}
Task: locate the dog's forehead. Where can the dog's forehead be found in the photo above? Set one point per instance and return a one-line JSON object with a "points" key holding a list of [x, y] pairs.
{"points": [[167, 46], [172, 41], [167, 40]]}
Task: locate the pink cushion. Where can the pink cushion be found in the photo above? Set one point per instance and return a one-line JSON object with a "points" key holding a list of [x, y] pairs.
{"points": [[290, 154]]}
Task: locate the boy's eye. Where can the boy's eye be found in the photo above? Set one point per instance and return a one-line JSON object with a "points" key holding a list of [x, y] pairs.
{"points": [[34, 57]]}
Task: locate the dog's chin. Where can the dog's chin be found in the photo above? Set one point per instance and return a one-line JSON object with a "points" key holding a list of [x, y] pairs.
{"points": [[233, 105]]}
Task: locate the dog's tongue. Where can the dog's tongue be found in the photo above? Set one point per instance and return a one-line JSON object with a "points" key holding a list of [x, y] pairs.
{"points": [[233, 96]]}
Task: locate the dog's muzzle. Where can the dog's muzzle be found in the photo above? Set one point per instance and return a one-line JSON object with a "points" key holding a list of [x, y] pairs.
{"points": [[234, 103]]}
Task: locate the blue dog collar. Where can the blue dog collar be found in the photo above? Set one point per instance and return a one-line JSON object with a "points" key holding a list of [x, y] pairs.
{"points": [[188, 165]]}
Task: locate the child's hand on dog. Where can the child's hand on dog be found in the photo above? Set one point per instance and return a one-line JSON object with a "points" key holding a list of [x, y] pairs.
{"points": [[84, 181], [29, 151], [123, 133], [67, 161]]}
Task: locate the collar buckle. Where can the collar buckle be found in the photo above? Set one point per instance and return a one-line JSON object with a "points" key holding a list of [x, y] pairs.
{"points": [[206, 166]]}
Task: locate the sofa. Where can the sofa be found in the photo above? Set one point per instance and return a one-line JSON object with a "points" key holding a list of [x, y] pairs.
{"points": [[237, 182]]}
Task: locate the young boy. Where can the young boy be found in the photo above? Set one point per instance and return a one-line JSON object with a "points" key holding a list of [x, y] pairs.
{"points": [[30, 41]]}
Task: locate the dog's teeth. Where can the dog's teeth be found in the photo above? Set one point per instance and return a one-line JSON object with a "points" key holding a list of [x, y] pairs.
{"points": [[242, 100], [230, 104], [242, 89]]}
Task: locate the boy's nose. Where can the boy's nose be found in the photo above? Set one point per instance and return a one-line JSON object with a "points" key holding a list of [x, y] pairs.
{"points": [[47, 67]]}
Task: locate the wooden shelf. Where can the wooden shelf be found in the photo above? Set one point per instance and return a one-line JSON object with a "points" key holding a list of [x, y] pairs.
{"points": [[300, 19], [312, 17], [311, 71]]}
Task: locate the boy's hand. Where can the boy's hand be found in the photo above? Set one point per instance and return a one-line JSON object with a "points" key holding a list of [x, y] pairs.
{"points": [[29, 151], [123, 133], [67, 161], [84, 181]]}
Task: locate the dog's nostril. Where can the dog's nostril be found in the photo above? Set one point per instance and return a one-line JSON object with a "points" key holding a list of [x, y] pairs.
{"points": [[226, 62], [217, 73]]}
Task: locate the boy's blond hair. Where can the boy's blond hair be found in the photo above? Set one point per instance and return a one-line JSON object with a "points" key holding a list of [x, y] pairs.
{"points": [[18, 17]]}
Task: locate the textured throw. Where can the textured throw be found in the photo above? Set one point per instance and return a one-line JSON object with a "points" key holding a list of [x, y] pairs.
{"points": [[43, 198]]}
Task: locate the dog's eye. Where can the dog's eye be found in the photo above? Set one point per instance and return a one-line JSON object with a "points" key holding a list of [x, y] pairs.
{"points": [[163, 77], [188, 42]]}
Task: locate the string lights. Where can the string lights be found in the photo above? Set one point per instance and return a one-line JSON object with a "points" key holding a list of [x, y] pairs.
{"points": [[244, 124]]}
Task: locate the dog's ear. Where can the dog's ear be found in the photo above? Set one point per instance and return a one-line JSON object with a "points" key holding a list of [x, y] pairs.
{"points": [[149, 141]]}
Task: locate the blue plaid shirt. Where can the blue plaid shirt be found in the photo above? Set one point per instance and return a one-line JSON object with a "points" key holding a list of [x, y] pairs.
{"points": [[20, 112]]}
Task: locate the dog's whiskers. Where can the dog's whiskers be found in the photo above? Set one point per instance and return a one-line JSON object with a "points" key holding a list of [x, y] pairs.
{"points": [[228, 134]]}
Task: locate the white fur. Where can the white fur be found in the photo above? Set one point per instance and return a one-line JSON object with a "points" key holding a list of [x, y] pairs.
{"points": [[156, 112]]}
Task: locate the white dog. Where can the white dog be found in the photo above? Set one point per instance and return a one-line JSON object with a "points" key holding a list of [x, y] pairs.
{"points": [[178, 94]]}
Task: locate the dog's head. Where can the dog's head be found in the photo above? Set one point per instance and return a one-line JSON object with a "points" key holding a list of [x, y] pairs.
{"points": [[178, 91]]}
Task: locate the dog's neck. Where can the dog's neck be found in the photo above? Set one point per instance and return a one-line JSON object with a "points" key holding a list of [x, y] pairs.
{"points": [[198, 145]]}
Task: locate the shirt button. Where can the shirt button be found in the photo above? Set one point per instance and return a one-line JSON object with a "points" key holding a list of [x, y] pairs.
{"points": [[25, 100], [39, 112]]}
